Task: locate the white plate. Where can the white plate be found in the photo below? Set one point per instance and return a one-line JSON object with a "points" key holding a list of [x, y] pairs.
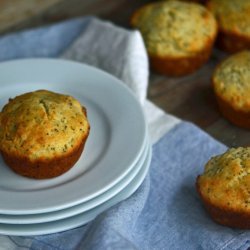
{"points": [[82, 207], [82, 218], [117, 137]]}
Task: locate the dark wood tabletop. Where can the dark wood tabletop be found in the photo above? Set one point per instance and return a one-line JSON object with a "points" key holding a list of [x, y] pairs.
{"points": [[190, 98]]}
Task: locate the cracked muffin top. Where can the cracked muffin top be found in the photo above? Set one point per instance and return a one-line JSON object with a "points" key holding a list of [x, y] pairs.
{"points": [[42, 124], [231, 80], [225, 182], [233, 16], [174, 28]]}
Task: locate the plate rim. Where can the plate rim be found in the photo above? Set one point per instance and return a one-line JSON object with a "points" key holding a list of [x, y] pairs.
{"points": [[63, 205], [80, 208], [82, 218]]}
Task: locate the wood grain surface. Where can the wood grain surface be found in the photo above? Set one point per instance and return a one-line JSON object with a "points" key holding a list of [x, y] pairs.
{"points": [[190, 98]]}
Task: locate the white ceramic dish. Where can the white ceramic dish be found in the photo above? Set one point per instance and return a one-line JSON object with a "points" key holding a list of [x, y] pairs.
{"points": [[82, 218], [82, 207], [117, 137]]}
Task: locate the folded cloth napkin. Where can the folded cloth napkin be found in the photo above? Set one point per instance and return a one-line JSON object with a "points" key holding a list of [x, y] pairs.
{"points": [[165, 212]]}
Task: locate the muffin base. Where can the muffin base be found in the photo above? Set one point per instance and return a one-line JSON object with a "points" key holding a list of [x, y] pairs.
{"points": [[42, 168], [232, 43], [225, 216], [173, 66], [237, 117]]}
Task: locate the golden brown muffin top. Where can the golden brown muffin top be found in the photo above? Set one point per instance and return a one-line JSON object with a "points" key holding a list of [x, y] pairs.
{"points": [[226, 180], [231, 80], [232, 15], [174, 28], [42, 124]]}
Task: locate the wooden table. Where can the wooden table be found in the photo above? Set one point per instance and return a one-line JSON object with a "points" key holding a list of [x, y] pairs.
{"points": [[190, 98]]}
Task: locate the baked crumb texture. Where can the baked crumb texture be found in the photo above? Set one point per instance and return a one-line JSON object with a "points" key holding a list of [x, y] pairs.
{"points": [[179, 36], [231, 83], [224, 188], [42, 133], [234, 23]]}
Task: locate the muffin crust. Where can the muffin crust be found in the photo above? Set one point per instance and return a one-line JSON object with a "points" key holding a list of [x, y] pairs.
{"points": [[176, 33], [42, 133], [224, 187], [231, 83], [234, 23]]}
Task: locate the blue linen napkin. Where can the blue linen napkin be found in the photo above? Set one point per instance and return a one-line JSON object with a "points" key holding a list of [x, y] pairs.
{"points": [[165, 212]]}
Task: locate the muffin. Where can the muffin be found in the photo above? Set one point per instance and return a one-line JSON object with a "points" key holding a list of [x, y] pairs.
{"points": [[42, 133], [178, 36], [224, 188], [234, 23], [231, 83]]}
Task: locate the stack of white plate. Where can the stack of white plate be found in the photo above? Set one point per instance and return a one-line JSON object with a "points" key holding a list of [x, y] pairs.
{"points": [[114, 163]]}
